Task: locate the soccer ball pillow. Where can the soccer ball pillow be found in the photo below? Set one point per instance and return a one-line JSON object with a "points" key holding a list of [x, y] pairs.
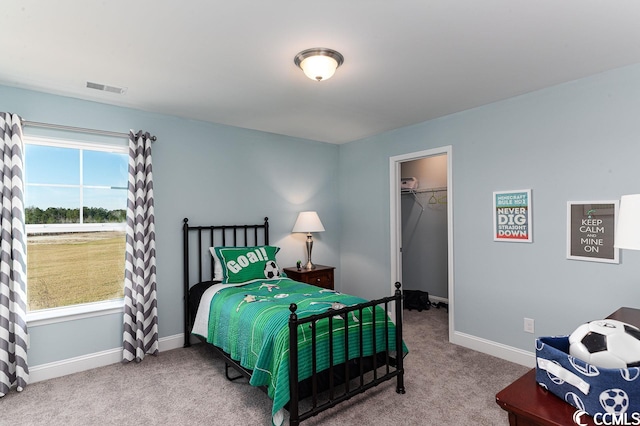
{"points": [[271, 270], [607, 344]]}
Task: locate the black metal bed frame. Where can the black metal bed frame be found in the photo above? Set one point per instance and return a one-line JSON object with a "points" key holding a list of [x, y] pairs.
{"points": [[386, 365]]}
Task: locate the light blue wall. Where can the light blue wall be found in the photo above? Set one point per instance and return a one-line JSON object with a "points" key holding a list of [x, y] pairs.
{"points": [[577, 141], [209, 173]]}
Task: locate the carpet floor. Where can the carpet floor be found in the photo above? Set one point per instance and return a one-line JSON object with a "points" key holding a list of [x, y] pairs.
{"points": [[446, 385]]}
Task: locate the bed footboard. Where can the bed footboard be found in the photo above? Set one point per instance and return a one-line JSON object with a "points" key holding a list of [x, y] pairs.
{"points": [[386, 365]]}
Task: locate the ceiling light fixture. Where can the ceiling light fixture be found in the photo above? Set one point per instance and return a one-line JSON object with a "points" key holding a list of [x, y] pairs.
{"points": [[319, 63]]}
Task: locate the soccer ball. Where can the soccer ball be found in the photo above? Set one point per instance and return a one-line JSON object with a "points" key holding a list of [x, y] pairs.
{"points": [[271, 270], [607, 344]]}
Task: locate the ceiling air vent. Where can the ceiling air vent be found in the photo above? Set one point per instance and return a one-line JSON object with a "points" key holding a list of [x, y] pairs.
{"points": [[106, 88]]}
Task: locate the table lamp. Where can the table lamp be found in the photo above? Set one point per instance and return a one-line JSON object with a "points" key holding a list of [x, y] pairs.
{"points": [[308, 222], [628, 226]]}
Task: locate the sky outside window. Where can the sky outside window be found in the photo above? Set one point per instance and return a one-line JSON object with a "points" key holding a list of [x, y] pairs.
{"points": [[60, 167], [106, 169], [52, 165]]}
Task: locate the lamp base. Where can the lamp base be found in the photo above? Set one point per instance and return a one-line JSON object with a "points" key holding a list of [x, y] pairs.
{"points": [[309, 265]]}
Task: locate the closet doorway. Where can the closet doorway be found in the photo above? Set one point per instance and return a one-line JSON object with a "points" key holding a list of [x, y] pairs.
{"points": [[421, 225]]}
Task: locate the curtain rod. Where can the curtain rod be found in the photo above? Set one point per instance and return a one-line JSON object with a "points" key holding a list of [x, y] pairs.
{"points": [[79, 129]]}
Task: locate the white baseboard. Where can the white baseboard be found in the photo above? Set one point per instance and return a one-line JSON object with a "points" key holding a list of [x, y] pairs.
{"points": [[489, 347], [171, 342], [64, 367], [492, 348], [438, 299]]}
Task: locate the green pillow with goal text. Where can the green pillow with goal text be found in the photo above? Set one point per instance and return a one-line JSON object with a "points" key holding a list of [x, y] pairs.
{"points": [[240, 264]]}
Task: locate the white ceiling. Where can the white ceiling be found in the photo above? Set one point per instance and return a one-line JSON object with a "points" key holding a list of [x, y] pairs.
{"points": [[231, 62]]}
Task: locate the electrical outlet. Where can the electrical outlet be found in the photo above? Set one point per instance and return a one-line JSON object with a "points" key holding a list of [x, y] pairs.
{"points": [[528, 325]]}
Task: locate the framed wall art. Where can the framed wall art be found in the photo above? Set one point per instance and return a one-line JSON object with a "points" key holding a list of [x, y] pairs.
{"points": [[512, 216], [591, 230]]}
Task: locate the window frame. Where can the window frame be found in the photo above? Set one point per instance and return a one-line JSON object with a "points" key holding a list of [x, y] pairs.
{"points": [[85, 310]]}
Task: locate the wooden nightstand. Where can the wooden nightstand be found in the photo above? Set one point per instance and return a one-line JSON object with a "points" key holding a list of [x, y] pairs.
{"points": [[322, 276]]}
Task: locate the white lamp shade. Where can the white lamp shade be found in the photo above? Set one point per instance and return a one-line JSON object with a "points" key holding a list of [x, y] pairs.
{"points": [[319, 67], [308, 222], [628, 226]]}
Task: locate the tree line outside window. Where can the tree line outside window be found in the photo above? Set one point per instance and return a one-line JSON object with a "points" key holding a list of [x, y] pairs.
{"points": [[50, 215]]}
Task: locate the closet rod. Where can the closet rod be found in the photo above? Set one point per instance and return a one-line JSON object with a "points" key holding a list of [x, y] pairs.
{"points": [[79, 129], [420, 190]]}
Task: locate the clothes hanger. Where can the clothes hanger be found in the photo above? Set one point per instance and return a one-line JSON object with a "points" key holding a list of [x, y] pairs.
{"points": [[433, 199]]}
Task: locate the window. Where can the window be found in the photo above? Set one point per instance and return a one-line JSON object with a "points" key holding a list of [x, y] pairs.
{"points": [[75, 214]]}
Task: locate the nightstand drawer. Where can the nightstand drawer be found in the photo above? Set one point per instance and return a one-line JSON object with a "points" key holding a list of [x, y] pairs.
{"points": [[323, 279], [322, 276]]}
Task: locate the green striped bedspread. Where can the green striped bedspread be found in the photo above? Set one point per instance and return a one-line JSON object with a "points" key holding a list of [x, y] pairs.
{"points": [[250, 323]]}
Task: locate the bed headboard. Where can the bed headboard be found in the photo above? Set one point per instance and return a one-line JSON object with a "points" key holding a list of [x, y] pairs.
{"points": [[198, 262]]}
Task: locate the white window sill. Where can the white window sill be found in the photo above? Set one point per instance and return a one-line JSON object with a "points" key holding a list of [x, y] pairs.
{"points": [[75, 312]]}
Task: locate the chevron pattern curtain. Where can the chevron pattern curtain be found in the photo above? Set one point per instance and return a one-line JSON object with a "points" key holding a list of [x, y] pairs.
{"points": [[140, 304], [13, 267]]}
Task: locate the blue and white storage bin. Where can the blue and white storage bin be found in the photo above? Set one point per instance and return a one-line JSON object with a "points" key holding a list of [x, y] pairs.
{"points": [[612, 391]]}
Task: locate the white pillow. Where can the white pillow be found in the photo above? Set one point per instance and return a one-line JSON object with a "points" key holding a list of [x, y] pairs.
{"points": [[217, 266]]}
